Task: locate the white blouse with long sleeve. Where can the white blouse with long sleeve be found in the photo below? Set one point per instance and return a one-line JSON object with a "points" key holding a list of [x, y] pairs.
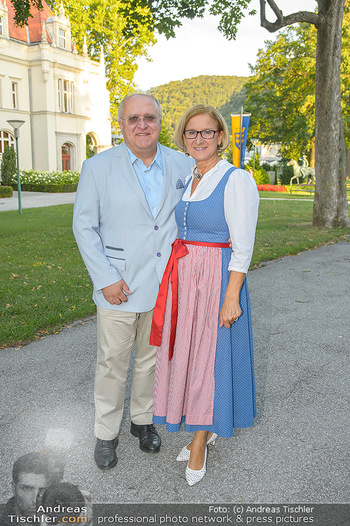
{"points": [[241, 203]]}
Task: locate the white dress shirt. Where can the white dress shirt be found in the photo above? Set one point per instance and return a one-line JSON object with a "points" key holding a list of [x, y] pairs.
{"points": [[241, 203]]}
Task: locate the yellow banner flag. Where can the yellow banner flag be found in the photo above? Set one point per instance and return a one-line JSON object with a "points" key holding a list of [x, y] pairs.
{"points": [[239, 138]]}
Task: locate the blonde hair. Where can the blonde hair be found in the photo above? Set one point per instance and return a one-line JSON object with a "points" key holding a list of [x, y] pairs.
{"points": [[200, 109]]}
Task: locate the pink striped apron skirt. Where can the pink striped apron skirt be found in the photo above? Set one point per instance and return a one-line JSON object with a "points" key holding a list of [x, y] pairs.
{"points": [[184, 386]]}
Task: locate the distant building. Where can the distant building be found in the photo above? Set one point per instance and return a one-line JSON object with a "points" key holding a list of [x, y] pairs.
{"points": [[61, 96], [268, 153]]}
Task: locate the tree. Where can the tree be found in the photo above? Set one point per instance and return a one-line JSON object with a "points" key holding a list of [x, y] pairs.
{"points": [[165, 136], [123, 38], [165, 17], [281, 91], [223, 92], [330, 204], [8, 166]]}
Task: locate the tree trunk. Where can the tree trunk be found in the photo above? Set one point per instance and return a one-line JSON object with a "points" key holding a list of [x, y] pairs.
{"points": [[330, 205]]}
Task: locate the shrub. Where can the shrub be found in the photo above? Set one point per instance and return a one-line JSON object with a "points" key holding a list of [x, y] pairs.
{"points": [[59, 178], [49, 188], [6, 191], [260, 174], [268, 166], [35, 181], [8, 166]]}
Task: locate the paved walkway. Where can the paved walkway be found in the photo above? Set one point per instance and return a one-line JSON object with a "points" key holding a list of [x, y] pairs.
{"points": [[296, 452], [38, 199], [35, 200]]}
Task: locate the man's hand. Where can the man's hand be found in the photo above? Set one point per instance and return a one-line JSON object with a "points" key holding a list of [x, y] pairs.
{"points": [[115, 293]]}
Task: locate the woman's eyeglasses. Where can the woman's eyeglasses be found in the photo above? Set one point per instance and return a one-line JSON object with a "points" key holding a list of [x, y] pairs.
{"points": [[205, 134]]}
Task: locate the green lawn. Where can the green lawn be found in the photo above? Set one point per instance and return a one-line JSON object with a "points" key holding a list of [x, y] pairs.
{"points": [[43, 280], [287, 195], [284, 195], [44, 284], [285, 227]]}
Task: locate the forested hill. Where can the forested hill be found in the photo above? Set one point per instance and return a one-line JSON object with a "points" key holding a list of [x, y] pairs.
{"points": [[223, 92]]}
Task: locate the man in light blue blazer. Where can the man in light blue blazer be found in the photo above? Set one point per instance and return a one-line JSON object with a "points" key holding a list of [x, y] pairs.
{"points": [[124, 224]]}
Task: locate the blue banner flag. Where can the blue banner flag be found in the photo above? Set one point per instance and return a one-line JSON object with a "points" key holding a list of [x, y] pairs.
{"points": [[239, 138]]}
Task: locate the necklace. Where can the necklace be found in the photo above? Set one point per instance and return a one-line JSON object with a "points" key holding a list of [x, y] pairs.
{"points": [[197, 175]]}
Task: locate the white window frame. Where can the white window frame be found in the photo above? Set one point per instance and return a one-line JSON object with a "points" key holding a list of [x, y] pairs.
{"points": [[59, 94], [6, 141], [65, 99], [71, 97], [65, 95], [14, 95], [62, 38]]}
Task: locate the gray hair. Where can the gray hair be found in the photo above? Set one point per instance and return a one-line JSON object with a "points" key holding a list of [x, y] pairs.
{"points": [[153, 99]]}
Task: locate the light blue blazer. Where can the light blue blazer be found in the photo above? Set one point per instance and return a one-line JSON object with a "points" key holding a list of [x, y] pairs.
{"points": [[116, 233]]}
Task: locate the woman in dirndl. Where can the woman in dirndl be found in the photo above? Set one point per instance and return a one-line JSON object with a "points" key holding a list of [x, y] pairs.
{"points": [[202, 320]]}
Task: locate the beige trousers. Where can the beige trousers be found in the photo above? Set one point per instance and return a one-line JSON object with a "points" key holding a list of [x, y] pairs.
{"points": [[116, 334]]}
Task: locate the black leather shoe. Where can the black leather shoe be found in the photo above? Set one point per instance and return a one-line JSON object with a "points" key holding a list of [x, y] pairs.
{"points": [[105, 454], [149, 439]]}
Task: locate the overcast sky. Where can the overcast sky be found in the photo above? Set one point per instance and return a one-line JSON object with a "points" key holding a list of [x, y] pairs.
{"points": [[200, 49]]}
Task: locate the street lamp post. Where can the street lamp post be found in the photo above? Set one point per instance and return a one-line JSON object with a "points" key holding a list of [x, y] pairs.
{"points": [[16, 126], [254, 143]]}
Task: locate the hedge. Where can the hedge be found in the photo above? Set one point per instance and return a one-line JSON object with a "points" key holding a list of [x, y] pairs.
{"points": [[52, 182], [50, 188], [6, 191]]}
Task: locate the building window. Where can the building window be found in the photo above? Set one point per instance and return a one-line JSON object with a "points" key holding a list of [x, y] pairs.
{"points": [[61, 38], [14, 95], [71, 97], [65, 94], [59, 94], [66, 157], [1, 26], [6, 139]]}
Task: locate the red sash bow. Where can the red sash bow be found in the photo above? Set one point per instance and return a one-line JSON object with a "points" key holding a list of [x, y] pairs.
{"points": [[179, 250]]}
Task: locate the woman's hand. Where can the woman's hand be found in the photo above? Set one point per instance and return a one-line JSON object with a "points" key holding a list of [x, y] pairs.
{"points": [[231, 309], [230, 312]]}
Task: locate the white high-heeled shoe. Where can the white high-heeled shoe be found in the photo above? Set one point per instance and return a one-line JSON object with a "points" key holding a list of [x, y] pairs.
{"points": [[185, 453], [195, 475]]}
